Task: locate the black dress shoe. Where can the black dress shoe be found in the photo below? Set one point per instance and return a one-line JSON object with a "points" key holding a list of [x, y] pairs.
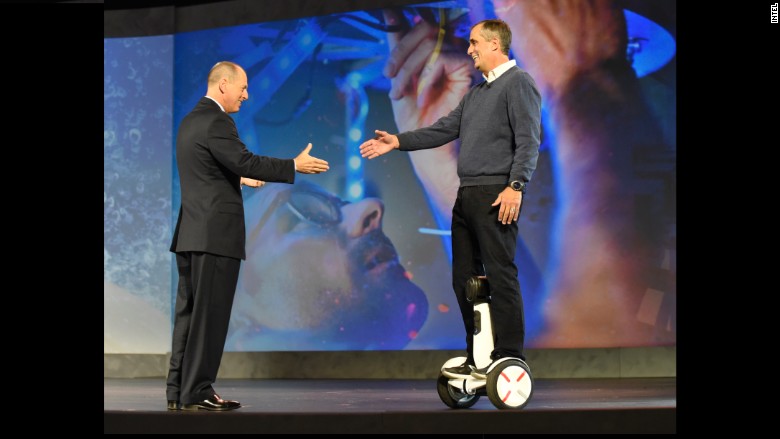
{"points": [[481, 374], [462, 371], [213, 403], [173, 405]]}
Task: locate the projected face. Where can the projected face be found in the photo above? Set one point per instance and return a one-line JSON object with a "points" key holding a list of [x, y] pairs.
{"points": [[321, 274]]}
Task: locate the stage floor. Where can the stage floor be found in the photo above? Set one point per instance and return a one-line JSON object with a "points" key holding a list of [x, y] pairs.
{"points": [[638, 405]]}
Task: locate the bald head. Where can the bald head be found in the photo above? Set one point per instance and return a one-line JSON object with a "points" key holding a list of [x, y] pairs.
{"points": [[223, 69], [227, 84]]}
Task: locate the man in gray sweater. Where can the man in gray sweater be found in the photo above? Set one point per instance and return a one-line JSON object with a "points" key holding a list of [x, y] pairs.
{"points": [[498, 123]]}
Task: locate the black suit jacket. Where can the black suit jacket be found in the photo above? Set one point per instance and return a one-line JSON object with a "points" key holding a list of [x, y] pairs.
{"points": [[211, 161]]}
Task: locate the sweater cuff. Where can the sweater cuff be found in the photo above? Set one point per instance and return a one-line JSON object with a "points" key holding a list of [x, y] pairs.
{"points": [[401, 138]]}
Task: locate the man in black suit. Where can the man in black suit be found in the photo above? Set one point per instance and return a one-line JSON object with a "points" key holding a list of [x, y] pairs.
{"points": [[209, 240]]}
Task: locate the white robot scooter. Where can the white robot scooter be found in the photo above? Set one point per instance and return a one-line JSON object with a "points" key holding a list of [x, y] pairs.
{"points": [[508, 382]]}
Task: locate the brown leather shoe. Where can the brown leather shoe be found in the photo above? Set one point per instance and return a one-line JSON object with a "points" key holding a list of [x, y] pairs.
{"points": [[213, 403]]}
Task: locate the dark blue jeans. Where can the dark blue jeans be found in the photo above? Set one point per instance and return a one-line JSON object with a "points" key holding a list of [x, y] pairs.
{"points": [[482, 246]]}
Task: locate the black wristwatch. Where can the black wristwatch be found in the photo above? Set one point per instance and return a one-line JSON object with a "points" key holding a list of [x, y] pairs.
{"points": [[518, 185]]}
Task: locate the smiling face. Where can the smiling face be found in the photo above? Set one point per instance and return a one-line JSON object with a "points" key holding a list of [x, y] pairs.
{"points": [[480, 50], [228, 85], [489, 44], [321, 274], [235, 91]]}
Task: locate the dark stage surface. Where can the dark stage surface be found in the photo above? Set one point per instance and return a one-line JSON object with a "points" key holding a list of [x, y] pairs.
{"points": [[618, 405]]}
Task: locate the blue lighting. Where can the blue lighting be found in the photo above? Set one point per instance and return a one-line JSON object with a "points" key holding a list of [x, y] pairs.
{"points": [[355, 134], [354, 79], [650, 46], [356, 191], [354, 163], [265, 83], [274, 75]]}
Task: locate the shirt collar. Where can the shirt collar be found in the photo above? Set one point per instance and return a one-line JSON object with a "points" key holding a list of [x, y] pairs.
{"points": [[500, 70], [215, 101]]}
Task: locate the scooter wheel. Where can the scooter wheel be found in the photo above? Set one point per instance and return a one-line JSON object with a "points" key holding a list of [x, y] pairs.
{"points": [[510, 385], [454, 398]]}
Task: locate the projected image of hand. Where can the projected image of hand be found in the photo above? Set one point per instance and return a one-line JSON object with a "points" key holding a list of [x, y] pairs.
{"points": [[429, 74]]}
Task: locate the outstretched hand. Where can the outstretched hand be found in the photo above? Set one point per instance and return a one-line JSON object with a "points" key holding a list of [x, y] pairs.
{"points": [[306, 164], [383, 143]]}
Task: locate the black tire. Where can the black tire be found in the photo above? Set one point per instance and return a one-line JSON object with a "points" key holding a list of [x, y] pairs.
{"points": [[510, 385], [452, 396]]}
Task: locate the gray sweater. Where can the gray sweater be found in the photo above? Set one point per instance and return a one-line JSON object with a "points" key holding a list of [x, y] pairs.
{"points": [[498, 124]]}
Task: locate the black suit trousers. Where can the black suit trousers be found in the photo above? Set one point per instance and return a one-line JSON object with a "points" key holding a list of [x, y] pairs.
{"points": [[207, 285], [482, 246]]}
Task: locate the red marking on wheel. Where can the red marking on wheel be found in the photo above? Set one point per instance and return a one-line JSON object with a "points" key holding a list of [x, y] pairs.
{"points": [[521, 376], [506, 396], [505, 377]]}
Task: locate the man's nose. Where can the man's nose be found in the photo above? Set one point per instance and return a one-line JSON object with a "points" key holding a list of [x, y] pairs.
{"points": [[363, 217]]}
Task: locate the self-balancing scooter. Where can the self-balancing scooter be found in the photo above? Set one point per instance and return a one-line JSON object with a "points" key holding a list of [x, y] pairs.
{"points": [[507, 382]]}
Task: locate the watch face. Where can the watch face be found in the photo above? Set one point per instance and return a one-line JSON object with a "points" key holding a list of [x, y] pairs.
{"points": [[516, 185]]}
